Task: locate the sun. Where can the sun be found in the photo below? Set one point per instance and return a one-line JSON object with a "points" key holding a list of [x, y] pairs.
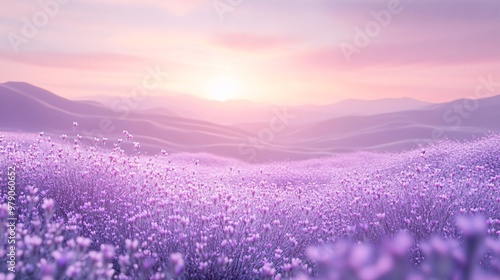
{"points": [[223, 88]]}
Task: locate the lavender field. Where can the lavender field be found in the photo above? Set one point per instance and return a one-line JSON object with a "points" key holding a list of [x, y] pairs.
{"points": [[232, 139], [97, 212]]}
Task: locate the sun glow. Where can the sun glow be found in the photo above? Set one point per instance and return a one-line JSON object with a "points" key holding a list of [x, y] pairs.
{"points": [[223, 88]]}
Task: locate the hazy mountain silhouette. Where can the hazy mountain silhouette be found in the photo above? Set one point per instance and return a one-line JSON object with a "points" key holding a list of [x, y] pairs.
{"points": [[26, 108], [241, 111]]}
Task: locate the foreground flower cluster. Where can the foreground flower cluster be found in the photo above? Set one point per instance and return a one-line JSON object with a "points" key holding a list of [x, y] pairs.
{"points": [[90, 212]]}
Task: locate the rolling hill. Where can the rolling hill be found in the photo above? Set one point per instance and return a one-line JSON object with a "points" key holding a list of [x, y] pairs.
{"points": [[270, 137]]}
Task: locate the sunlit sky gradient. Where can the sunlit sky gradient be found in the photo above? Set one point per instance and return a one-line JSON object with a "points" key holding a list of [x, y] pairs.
{"points": [[273, 51]]}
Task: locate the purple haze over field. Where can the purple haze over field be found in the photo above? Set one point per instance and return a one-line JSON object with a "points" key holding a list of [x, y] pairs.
{"points": [[233, 139], [253, 133]]}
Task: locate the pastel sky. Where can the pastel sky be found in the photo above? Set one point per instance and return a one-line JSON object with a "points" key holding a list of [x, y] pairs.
{"points": [[272, 51]]}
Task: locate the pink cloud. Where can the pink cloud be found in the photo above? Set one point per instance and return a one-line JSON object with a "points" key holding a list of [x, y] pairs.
{"points": [[174, 7], [86, 61], [252, 42]]}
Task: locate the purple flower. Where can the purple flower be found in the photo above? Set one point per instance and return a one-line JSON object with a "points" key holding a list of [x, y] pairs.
{"points": [[471, 226], [48, 205], [83, 242], [178, 262]]}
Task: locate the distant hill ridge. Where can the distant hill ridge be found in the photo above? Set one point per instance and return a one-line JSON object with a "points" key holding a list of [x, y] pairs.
{"points": [[313, 131]]}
